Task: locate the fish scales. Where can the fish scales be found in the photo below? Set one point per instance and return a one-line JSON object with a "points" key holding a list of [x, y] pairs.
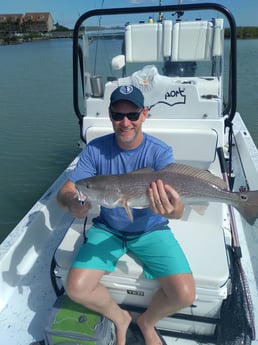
{"points": [[195, 186], [190, 183]]}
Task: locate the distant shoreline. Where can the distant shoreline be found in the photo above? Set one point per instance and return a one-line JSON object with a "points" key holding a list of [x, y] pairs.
{"points": [[243, 32], [34, 37]]}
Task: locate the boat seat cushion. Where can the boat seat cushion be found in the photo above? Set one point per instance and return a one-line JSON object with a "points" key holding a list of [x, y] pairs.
{"points": [[136, 34], [183, 41], [195, 147]]}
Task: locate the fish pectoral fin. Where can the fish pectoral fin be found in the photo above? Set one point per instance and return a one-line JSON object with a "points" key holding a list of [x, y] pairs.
{"points": [[200, 209], [128, 211]]}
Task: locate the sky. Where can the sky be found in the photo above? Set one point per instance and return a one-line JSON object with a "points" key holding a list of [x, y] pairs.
{"points": [[66, 12]]}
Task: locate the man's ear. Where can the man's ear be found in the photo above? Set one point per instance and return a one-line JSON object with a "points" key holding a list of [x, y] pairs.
{"points": [[145, 113]]}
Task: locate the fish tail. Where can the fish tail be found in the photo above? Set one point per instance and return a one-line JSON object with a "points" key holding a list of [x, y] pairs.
{"points": [[248, 206]]}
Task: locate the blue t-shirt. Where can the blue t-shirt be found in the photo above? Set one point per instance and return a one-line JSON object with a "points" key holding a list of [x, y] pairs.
{"points": [[103, 156]]}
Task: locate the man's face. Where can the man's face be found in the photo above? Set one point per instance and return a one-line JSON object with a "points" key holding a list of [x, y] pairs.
{"points": [[128, 132]]}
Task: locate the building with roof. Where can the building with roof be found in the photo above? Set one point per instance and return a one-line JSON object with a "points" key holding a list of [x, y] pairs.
{"points": [[38, 22], [11, 22], [30, 22]]}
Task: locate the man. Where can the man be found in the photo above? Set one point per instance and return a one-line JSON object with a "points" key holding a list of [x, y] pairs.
{"points": [[113, 234]]}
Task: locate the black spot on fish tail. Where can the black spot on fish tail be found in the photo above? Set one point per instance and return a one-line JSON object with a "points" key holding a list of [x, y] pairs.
{"points": [[248, 206]]}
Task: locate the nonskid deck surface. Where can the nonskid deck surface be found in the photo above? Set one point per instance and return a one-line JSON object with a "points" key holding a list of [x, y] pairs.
{"points": [[26, 292]]}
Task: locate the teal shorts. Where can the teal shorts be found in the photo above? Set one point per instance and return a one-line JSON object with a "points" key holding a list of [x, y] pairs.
{"points": [[158, 252]]}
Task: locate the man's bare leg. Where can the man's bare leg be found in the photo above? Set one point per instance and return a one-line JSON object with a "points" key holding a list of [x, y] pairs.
{"points": [[84, 288], [176, 292]]}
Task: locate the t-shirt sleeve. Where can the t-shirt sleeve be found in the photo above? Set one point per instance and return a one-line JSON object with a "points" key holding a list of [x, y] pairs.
{"points": [[86, 166]]}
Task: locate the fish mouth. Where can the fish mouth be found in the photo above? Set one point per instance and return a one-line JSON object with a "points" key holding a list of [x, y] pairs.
{"points": [[80, 196]]}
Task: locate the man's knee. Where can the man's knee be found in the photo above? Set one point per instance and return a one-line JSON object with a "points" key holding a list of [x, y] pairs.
{"points": [[180, 289], [186, 295], [74, 284], [82, 282]]}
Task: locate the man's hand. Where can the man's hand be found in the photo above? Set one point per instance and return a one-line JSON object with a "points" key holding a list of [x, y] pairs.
{"points": [[165, 200], [68, 198], [77, 208]]}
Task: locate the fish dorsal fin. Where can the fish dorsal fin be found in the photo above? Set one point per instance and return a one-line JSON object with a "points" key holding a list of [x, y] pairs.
{"points": [[197, 173], [142, 171]]}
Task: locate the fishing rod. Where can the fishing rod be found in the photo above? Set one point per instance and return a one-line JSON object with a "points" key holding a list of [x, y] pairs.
{"points": [[232, 216]]}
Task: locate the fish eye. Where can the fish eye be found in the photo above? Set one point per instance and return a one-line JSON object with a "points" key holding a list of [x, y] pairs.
{"points": [[88, 185]]}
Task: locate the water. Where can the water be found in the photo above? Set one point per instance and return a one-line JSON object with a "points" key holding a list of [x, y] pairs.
{"points": [[248, 85], [39, 131]]}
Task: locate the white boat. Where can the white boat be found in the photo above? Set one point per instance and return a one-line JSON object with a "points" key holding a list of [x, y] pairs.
{"points": [[187, 73]]}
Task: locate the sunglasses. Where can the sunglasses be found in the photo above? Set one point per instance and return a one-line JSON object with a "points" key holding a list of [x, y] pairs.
{"points": [[133, 116]]}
